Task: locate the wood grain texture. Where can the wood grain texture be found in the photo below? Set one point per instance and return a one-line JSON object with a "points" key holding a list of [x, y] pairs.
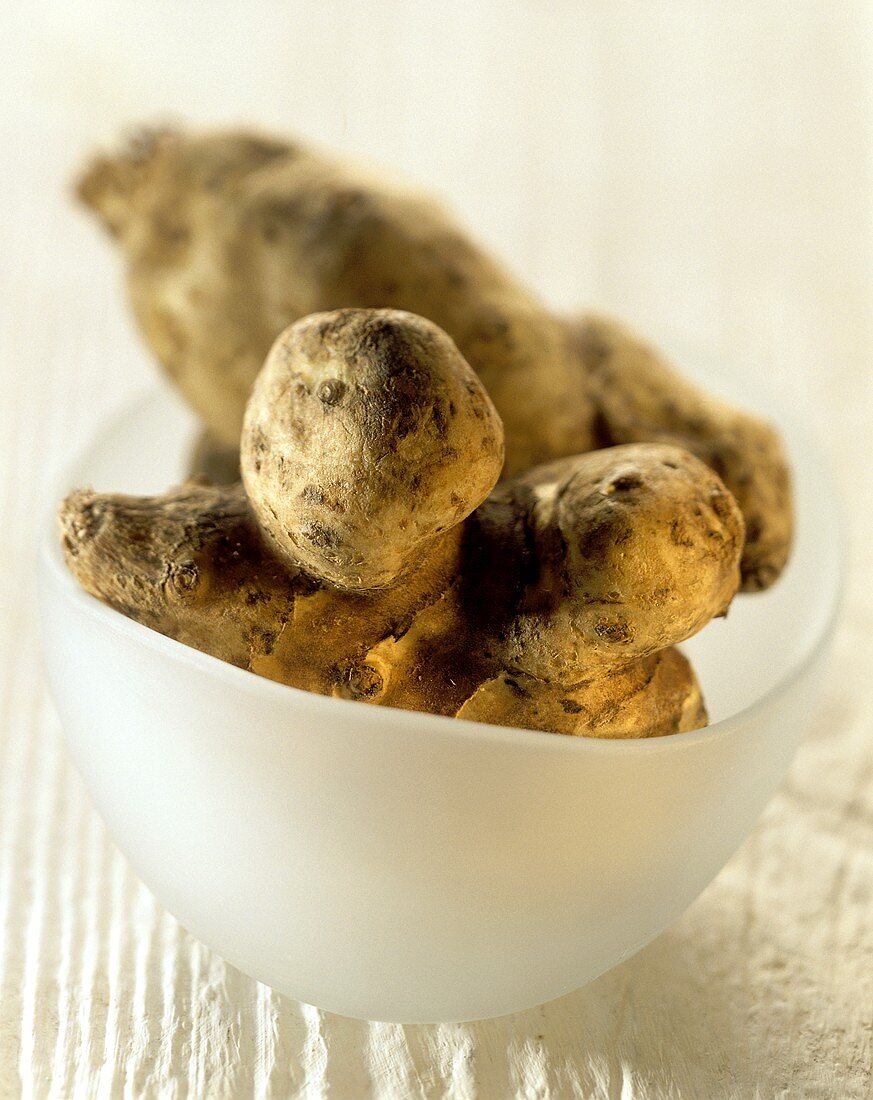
{"points": [[701, 170]]}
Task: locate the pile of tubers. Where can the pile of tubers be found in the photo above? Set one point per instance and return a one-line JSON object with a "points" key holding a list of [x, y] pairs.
{"points": [[451, 499]]}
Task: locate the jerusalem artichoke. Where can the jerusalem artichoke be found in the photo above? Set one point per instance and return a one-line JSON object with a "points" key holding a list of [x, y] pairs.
{"points": [[554, 604], [229, 237]]}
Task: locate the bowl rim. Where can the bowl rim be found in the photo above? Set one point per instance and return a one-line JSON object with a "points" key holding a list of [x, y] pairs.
{"points": [[52, 567]]}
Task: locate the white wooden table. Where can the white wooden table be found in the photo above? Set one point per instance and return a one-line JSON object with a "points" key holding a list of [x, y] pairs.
{"points": [[700, 168]]}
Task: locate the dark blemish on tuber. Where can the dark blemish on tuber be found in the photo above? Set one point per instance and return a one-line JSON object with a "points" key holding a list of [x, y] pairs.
{"points": [[517, 688], [357, 681], [321, 536], [616, 630], [184, 578], [331, 391], [679, 534], [625, 484]]}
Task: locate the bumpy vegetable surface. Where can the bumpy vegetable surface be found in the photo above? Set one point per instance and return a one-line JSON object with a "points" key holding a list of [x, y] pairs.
{"points": [[639, 396], [366, 437], [229, 237], [552, 601]]}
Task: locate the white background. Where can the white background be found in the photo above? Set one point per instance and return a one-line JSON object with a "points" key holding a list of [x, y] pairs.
{"points": [[703, 170]]}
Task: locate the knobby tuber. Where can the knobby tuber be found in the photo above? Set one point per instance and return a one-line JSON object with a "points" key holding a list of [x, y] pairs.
{"points": [[369, 556], [366, 437], [230, 237]]}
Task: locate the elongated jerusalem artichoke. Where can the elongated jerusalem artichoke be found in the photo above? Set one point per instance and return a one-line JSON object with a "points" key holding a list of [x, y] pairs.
{"points": [[373, 559], [230, 237]]}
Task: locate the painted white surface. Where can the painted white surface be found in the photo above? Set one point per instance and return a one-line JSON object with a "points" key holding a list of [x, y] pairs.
{"points": [[703, 170]]}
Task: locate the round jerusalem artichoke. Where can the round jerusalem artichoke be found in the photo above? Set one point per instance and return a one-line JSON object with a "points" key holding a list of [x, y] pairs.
{"points": [[635, 548], [553, 605], [367, 436], [230, 237]]}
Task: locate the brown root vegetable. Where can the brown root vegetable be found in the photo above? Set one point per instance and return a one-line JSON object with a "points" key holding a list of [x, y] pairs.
{"points": [[554, 605], [658, 694], [640, 397], [190, 564], [367, 437], [633, 549], [230, 237], [194, 565]]}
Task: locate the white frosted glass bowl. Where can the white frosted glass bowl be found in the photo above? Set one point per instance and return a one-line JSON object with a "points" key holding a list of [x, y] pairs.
{"points": [[399, 866]]}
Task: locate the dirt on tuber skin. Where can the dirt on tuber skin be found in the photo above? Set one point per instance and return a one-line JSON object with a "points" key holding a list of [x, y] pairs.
{"points": [[552, 601], [231, 236]]}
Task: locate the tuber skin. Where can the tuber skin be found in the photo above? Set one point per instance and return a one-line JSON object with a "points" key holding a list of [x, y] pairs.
{"points": [[640, 397], [367, 436], [229, 237], [552, 601], [213, 460]]}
